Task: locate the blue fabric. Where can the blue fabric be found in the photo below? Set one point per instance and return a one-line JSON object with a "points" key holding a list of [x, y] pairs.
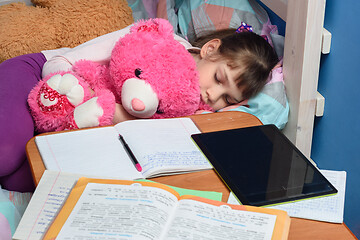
{"points": [[267, 110], [193, 17], [190, 18], [12, 207]]}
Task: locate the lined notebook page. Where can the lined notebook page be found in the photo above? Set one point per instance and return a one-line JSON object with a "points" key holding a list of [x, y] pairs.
{"points": [[328, 209], [164, 145], [90, 152], [48, 197]]}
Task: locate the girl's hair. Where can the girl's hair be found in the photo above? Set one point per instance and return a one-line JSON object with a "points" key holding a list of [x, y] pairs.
{"points": [[247, 50]]}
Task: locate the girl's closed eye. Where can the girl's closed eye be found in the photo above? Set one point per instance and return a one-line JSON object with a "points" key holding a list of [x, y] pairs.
{"points": [[229, 100], [217, 80]]}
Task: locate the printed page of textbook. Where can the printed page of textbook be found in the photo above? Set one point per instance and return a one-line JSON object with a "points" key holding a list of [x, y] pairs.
{"points": [[218, 222], [164, 146], [111, 211]]}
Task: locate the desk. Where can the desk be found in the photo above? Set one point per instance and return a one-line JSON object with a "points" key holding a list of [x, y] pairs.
{"points": [[208, 180]]}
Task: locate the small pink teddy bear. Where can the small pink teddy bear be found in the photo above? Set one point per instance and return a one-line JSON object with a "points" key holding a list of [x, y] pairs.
{"points": [[149, 73]]}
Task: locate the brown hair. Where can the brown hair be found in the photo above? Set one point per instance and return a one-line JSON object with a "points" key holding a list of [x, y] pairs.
{"points": [[246, 50]]}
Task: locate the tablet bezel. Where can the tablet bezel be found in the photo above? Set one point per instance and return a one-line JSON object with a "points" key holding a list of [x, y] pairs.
{"points": [[233, 186]]}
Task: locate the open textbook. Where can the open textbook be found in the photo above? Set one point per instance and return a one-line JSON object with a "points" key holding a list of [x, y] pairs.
{"points": [[161, 146], [49, 196], [121, 209]]}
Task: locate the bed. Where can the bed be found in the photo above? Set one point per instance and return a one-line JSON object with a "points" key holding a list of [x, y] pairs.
{"points": [[305, 40]]}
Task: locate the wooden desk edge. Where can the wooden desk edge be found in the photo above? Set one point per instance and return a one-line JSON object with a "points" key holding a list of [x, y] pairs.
{"points": [[208, 123]]}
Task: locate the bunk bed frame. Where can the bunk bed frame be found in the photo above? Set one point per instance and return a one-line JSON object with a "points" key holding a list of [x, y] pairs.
{"points": [[305, 40]]}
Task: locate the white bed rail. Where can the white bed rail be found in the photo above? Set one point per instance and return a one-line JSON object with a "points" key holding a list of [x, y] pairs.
{"points": [[304, 42]]}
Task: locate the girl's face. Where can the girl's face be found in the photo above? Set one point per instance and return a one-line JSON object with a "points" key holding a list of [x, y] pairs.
{"points": [[217, 80]]}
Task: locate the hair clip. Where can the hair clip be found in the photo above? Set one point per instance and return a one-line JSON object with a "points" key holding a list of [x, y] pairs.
{"points": [[244, 28], [247, 28]]}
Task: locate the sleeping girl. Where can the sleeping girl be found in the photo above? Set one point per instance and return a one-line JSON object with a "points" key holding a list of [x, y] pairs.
{"points": [[233, 66]]}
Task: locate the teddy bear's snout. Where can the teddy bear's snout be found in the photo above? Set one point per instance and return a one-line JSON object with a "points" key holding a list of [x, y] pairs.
{"points": [[137, 104], [138, 98]]}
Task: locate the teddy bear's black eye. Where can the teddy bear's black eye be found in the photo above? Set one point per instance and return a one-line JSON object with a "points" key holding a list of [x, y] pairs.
{"points": [[138, 72], [158, 111]]}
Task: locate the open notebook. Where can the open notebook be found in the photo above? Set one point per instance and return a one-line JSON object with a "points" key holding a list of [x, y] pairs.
{"points": [[161, 146]]}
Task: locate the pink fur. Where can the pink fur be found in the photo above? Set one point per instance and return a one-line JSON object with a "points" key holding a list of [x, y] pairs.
{"points": [[164, 64], [46, 121], [106, 101], [94, 73]]}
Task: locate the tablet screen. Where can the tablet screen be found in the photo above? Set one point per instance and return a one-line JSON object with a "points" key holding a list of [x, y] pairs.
{"points": [[261, 166]]}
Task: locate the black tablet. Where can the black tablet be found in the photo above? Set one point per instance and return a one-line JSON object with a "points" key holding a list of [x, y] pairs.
{"points": [[261, 166]]}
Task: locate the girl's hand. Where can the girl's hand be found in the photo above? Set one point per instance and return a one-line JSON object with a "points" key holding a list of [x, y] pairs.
{"points": [[121, 115]]}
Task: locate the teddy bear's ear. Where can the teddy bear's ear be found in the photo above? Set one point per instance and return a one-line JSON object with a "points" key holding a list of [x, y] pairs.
{"points": [[162, 26]]}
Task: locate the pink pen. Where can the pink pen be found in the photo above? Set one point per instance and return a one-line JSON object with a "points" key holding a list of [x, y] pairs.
{"points": [[131, 155]]}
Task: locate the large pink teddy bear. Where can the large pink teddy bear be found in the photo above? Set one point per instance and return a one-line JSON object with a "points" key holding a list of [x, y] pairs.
{"points": [[150, 74]]}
